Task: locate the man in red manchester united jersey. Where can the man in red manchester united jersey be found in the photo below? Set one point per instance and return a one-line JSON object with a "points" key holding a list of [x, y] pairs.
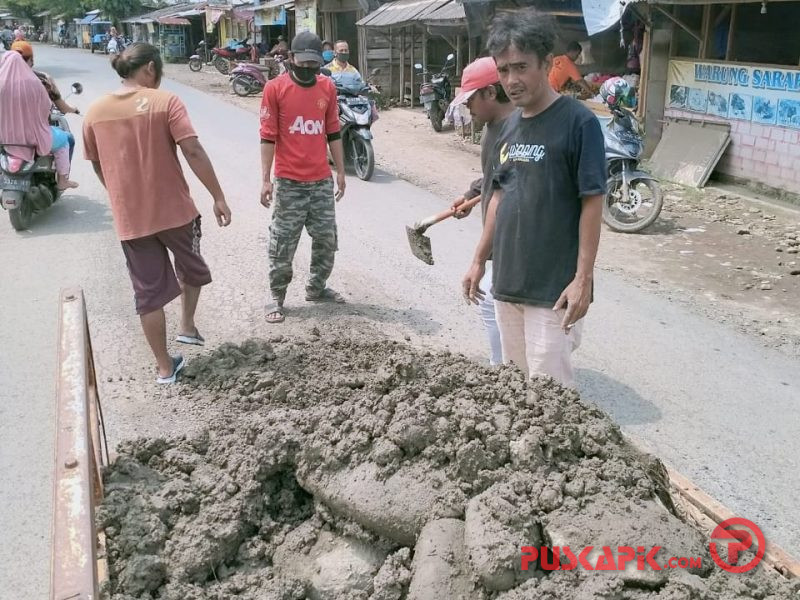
{"points": [[299, 121]]}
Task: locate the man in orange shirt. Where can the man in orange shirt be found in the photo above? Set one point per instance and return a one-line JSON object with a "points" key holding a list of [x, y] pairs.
{"points": [[564, 69], [131, 137]]}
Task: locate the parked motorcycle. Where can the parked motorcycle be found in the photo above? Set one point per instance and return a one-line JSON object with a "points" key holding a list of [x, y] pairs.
{"points": [[634, 199], [436, 94], [235, 51], [250, 78], [355, 118], [199, 58], [27, 188]]}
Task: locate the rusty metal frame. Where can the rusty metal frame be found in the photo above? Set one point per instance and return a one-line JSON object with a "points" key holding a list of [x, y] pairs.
{"points": [[77, 555]]}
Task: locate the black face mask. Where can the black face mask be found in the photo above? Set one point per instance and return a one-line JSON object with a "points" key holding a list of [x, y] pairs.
{"points": [[305, 76], [343, 56]]}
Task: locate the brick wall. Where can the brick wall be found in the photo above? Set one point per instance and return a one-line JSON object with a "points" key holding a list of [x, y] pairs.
{"points": [[763, 153]]}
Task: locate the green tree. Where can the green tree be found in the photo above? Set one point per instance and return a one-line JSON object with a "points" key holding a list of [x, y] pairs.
{"points": [[22, 8], [119, 9], [30, 8]]}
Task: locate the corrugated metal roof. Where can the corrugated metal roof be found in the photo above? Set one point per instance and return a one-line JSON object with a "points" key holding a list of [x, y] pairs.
{"points": [[271, 4], [452, 11], [171, 11], [400, 12]]}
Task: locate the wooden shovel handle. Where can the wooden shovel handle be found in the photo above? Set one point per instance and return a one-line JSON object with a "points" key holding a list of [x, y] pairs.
{"points": [[437, 218]]}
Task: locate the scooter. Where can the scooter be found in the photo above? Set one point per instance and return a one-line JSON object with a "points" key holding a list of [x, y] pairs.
{"points": [[27, 188], [634, 199], [235, 51], [249, 78], [199, 58], [355, 119], [436, 94]]}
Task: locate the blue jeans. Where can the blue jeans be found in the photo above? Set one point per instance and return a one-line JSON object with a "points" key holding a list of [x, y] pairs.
{"points": [[71, 140], [486, 309]]}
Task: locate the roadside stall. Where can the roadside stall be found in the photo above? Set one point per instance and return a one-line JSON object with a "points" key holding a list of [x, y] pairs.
{"points": [[610, 46], [728, 72]]}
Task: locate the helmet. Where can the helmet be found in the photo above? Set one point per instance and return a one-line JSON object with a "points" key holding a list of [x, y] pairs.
{"points": [[615, 91]]}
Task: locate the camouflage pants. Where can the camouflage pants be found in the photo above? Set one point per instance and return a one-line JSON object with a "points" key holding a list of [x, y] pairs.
{"points": [[297, 205]]}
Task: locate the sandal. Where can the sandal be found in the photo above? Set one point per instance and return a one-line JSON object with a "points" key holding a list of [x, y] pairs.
{"points": [[275, 314], [178, 362], [326, 295], [193, 340]]}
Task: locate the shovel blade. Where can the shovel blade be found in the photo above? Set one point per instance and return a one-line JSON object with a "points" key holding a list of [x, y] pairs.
{"points": [[420, 245]]}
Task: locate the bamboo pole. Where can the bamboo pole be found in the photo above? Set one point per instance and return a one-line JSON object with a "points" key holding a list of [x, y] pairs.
{"points": [[411, 73]]}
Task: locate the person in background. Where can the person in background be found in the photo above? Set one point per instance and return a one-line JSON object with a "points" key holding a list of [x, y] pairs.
{"points": [[299, 122], [280, 49], [328, 53], [26, 50], [341, 64], [115, 42], [565, 71], [488, 103], [131, 137], [7, 36], [543, 222], [25, 119]]}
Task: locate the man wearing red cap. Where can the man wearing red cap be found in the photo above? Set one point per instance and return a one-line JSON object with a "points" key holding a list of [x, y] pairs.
{"points": [[487, 103]]}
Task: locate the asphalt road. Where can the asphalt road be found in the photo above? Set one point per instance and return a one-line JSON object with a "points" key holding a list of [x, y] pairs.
{"points": [[707, 400]]}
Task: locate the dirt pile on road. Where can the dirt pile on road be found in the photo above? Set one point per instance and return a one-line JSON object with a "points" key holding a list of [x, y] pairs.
{"points": [[338, 469]]}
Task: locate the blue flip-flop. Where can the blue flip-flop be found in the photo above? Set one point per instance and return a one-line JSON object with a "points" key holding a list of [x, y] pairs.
{"points": [[178, 362], [192, 340]]}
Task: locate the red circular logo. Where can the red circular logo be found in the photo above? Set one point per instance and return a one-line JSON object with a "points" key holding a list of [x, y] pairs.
{"points": [[740, 535]]}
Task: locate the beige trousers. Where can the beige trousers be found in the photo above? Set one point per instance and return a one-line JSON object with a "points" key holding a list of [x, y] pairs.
{"points": [[532, 339]]}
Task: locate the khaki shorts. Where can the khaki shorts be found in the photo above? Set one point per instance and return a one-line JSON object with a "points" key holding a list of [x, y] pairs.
{"points": [[155, 281], [532, 339]]}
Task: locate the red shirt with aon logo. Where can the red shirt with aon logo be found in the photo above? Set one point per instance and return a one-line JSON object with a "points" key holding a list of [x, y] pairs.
{"points": [[300, 121]]}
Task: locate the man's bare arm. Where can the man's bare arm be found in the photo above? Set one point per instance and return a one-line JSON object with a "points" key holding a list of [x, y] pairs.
{"points": [[201, 166], [589, 240], [577, 297], [472, 280], [267, 158]]}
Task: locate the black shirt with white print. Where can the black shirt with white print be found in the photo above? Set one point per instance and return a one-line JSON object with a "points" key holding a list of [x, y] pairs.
{"points": [[547, 164]]}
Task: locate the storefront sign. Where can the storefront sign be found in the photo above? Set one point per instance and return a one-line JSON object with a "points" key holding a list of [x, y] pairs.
{"points": [[764, 95]]}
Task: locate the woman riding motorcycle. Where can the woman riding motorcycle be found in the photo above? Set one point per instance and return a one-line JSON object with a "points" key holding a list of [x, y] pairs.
{"points": [[25, 106]]}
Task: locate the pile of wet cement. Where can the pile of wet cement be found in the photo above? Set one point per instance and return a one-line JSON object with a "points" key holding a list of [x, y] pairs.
{"points": [[337, 469]]}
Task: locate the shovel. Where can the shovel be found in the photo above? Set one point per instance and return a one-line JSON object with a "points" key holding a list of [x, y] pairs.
{"points": [[421, 244]]}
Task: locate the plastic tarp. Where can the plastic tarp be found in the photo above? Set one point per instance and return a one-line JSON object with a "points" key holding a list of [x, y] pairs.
{"points": [[600, 15], [214, 15], [87, 19], [349, 82]]}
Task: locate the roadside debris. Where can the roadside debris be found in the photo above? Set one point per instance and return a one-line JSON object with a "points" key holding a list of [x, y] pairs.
{"points": [[339, 467]]}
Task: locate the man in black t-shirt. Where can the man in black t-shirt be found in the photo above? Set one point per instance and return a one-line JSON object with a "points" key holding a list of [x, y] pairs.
{"points": [[543, 223]]}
